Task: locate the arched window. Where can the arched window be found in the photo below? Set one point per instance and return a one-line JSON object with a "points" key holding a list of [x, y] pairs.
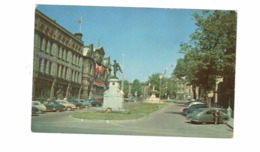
{"points": [[60, 52], [64, 55], [54, 49], [48, 49], [68, 74], [72, 75], [42, 65], [64, 72], [43, 46], [47, 67], [37, 41], [60, 70], [68, 56], [52, 67]]}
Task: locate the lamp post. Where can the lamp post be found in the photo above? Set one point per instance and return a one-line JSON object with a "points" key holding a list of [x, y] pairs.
{"points": [[149, 89], [122, 83], [210, 95], [160, 77]]}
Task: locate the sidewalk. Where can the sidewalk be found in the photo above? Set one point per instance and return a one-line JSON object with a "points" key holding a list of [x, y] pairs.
{"points": [[230, 122]]}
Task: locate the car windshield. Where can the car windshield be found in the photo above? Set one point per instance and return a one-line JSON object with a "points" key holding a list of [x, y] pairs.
{"points": [[197, 111]]}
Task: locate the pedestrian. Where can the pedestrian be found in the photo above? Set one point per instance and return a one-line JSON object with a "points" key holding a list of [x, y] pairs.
{"points": [[216, 117]]}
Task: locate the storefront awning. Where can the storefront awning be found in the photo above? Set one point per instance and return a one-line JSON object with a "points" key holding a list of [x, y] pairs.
{"points": [[100, 84]]}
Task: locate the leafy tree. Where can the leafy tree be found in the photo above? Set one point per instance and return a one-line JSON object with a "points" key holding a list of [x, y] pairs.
{"points": [[210, 51], [167, 85], [126, 88], [136, 88]]}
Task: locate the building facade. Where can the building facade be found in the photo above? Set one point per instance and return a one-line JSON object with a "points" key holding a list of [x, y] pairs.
{"points": [[58, 61], [96, 72]]}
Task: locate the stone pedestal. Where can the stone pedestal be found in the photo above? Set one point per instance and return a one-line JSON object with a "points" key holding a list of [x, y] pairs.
{"points": [[113, 97]]}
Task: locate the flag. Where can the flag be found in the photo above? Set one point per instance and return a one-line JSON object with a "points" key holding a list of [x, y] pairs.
{"points": [[80, 20]]}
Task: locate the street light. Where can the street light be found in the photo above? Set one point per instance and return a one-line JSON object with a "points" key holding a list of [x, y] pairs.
{"points": [[122, 83], [210, 95], [160, 76]]}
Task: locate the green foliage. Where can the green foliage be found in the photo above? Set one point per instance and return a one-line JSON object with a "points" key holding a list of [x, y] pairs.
{"points": [[126, 88], [136, 88], [210, 51], [167, 87]]}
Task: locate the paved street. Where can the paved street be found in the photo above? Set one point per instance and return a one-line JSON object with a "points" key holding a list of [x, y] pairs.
{"points": [[167, 122]]}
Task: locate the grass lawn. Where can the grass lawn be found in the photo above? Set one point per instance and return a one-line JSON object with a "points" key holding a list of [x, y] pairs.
{"points": [[137, 110]]}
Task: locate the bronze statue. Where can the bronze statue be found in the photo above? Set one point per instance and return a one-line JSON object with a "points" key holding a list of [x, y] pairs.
{"points": [[116, 67]]}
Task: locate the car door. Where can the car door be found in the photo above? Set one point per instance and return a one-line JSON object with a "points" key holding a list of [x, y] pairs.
{"points": [[207, 116]]}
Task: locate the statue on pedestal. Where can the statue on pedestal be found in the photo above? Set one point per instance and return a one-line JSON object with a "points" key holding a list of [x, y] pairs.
{"points": [[116, 67]]}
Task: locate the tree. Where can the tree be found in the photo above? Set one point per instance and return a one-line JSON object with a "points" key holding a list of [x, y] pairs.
{"points": [[136, 88], [211, 51], [126, 88], [167, 85]]}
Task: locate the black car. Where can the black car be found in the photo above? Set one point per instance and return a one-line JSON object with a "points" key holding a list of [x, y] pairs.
{"points": [[94, 102], [193, 108], [54, 106], [77, 103]]}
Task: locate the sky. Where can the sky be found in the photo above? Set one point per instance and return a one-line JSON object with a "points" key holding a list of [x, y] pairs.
{"points": [[143, 40]]}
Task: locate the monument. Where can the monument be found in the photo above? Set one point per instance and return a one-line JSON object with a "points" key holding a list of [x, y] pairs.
{"points": [[153, 98], [114, 97]]}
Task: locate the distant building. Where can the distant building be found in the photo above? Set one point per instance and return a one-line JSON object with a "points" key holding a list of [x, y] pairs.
{"points": [[184, 91], [57, 62]]}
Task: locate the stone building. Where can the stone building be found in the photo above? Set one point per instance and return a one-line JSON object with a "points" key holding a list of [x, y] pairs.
{"points": [[58, 60], [96, 72], [184, 91]]}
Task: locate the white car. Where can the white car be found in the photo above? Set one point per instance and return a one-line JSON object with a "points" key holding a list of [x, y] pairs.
{"points": [[37, 104], [194, 103], [68, 106]]}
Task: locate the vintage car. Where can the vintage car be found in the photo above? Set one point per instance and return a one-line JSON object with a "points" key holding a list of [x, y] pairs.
{"points": [[37, 104], [206, 115], [68, 106], [54, 106]]}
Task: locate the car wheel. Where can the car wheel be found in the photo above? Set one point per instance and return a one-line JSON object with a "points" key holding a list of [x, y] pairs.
{"points": [[68, 109], [40, 111]]}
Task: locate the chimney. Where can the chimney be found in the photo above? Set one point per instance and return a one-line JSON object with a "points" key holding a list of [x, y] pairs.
{"points": [[78, 35]]}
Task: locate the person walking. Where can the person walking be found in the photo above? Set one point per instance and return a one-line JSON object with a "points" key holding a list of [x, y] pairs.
{"points": [[216, 117]]}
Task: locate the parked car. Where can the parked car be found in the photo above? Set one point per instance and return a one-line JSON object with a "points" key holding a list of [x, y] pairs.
{"points": [[68, 106], [129, 100], [37, 104], [193, 108], [77, 103], [195, 103], [54, 106], [94, 102], [192, 103], [189, 101], [206, 115], [85, 102], [34, 111]]}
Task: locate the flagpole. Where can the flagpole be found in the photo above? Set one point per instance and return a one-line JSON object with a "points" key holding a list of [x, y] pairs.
{"points": [[80, 24]]}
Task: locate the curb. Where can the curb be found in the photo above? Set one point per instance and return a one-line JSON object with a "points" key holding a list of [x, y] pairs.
{"points": [[230, 124], [117, 121]]}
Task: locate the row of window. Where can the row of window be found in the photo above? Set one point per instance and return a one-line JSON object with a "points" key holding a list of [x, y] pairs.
{"points": [[60, 71], [57, 51]]}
